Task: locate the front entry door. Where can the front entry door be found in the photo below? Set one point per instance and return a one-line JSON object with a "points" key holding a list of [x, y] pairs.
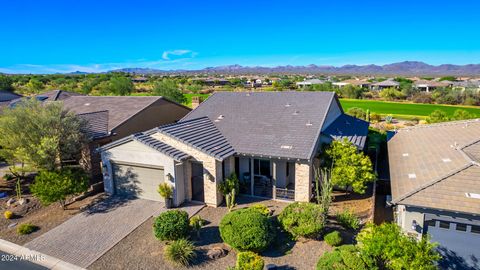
{"points": [[197, 182]]}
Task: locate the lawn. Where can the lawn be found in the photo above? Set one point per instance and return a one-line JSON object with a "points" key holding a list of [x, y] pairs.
{"points": [[402, 109], [190, 96]]}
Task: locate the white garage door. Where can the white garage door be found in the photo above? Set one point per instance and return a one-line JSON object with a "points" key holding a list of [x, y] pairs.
{"points": [[137, 181]]}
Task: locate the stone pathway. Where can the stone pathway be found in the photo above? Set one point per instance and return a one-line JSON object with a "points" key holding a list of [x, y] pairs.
{"points": [[85, 237]]}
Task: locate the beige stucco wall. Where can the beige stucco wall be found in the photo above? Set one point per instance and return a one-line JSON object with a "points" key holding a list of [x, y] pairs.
{"points": [[212, 169], [303, 182]]}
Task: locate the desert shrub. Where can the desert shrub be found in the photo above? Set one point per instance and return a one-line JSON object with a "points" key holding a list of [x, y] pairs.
{"points": [[437, 116], [391, 94], [261, 208], [165, 190], [247, 230], [171, 225], [333, 239], [8, 214], [357, 112], [249, 261], [302, 219], [375, 117], [26, 228], [196, 223], [348, 219], [180, 252], [8, 177], [422, 98], [344, 257]]}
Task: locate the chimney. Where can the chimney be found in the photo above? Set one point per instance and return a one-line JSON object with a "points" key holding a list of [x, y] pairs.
{"points": [[196, 100]]}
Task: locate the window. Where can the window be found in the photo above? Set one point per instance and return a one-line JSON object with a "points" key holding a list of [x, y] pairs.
{"points": [[288, 169], [444, 224], [430, 223], [475, 229], [461, 227], [261, 167]]}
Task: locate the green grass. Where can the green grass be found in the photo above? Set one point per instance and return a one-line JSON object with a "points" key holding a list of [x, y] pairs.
{"points": [[402, 109], [190, 96]]}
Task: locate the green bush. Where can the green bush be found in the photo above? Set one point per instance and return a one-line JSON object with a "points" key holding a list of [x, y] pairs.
{"points": [[249, 261], [171, 225], [333, 239], [302, 219], [26, 228], [348, 220], [261, 208], [180, 252], [247, 230], [343, 257]]}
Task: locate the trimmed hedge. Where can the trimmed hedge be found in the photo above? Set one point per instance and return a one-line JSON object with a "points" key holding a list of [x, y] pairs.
{"points": [[171, 225], [247, 230], [302, 219], [343, 257], [333, 239], [249, 261]]}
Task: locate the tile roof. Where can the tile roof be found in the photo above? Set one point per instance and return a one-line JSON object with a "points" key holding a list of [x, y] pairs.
{"points": [[97, 124], [436, 165], [56, 95], [201, 134], [348, 127], [271, 124], [120, 108], [160, 146], [386, 83], [8, 96]]}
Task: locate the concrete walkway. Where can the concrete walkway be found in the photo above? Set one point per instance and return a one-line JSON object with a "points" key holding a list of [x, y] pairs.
{"points": [[85, 237]]}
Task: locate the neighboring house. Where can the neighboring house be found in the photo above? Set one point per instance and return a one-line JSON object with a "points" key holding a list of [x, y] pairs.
{"points": [[6, 97], [309, 83], [139, 80], [53, 95], [354, 82], [271, 140], [435, 182], [385, 84], [467, 85], [427, 86]]}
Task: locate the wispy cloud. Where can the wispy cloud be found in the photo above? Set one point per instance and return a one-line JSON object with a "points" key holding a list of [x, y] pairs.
{"points": [[176, 54]]}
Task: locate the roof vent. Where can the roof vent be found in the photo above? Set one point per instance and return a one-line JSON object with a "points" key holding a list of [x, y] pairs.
{"points": [[405, 155], [288, 105], [286, 147], [220, 117], [248, 94], [446, 160], [87, 104], [412, 176], [308, 124], [472, 195], [296, 112]]}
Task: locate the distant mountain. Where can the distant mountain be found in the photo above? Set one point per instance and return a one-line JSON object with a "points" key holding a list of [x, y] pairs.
{"points": [[412, 68]]}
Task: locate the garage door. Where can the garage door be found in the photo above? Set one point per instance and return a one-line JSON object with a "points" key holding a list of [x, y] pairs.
{"points": [[137, 181], [455, 241]]}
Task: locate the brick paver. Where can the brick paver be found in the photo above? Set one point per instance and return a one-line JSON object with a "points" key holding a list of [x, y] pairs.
{"points": [[85, 237]]}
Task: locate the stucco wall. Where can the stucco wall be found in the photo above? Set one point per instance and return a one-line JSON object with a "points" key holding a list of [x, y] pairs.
{"points": [[136, 153], [281, 173], [333, 112], [303, 182]]}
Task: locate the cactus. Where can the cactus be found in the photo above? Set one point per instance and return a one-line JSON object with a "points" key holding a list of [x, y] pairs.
{"points": [[367, 115]]}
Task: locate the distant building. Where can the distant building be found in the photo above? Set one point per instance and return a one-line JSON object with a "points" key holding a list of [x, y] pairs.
{"points": [[139, 80], [385, 84], [427, 86], [354, 82], [309, 83]]}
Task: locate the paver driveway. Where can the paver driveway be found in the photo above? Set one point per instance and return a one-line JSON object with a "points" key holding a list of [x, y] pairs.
{"points": [[85, 237]]}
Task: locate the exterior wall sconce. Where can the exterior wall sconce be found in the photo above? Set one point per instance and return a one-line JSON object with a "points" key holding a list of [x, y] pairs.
{"points": [[414, 225], [209, 176], [105, 170], [169, 177]]}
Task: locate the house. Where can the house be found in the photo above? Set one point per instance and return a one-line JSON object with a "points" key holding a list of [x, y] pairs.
{"points": [[6, 97], [309, 83], [354, 82], [53, 95], [384, 84], [139, 80], [467, 85], [435, 183], [427, 86], [271, 140]]}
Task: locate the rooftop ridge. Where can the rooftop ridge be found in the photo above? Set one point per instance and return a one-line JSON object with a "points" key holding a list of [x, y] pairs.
{"points": [[449, 123]]}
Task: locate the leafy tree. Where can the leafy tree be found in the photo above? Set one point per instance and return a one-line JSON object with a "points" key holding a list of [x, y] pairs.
{"points": [[39, 136], [351, 91], [462, 115], [349, 166], [357, 112], [391, 94], [437, 116], [122, 86], [5, 83], [56, 186], [386, 246], [168, 88], [35, 86]]}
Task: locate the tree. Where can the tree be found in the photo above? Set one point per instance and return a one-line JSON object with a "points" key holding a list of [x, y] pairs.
{"points": [[121, 86], [5, 83], [349, 166], [56, 186], [35, 86], [357, 112], [39, 136], [169, 89], [462, 115], [391, 94], [351, 91], [437, 116], [387, 247]]}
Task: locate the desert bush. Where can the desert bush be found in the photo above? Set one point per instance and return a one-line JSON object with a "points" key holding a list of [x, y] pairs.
{"points": [[8, 214], [422, 98], [249, 261], [261, 208], [165, 190], [344, 257], [333, 239], [196, 223], [171, 225], [247, 230], [375, 117], [357, 112], [348, 219], [26, 228], [302, 219], [180, 252]]}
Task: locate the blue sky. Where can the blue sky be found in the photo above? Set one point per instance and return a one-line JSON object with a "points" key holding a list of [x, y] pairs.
{"points": [[63, 36]]}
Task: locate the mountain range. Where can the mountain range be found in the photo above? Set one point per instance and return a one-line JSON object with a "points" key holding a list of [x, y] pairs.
{"points": [[415, 68]]}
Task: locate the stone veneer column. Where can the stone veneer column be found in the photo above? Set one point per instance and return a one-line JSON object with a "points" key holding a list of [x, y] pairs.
{"points": [[303, 182]]}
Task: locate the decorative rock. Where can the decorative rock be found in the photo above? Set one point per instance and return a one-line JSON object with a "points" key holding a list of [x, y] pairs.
{"points": [[216, 253], [271, 267], [22, 201], [11, 225], [10, 202]]}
